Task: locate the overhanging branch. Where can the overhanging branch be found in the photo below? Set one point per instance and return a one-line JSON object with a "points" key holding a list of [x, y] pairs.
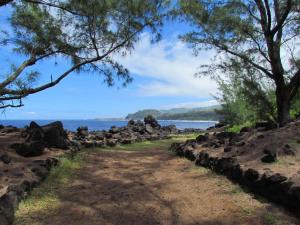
{"points": [[19, 94], [245, 58]]}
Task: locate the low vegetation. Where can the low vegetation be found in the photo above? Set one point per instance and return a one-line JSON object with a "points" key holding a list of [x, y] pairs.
{"points": [[45, 197]]}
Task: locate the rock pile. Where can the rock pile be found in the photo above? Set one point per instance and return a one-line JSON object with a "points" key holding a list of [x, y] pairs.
{"points": [[14, 193], [36, 138], [135, 131]]}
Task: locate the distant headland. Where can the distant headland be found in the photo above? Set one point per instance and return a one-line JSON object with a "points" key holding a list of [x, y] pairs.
{"points": [[201, 113]]}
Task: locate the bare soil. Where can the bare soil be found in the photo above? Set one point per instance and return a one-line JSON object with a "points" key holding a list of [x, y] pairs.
{"points": [[152, 186]]}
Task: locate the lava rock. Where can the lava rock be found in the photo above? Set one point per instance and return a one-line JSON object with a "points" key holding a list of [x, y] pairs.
{"points": [[55, 135], [149, 128], [251, 175], [131, 123], [30, 149], [270, 156], [201, 138], [114, 130], [82, 131], [9, 129], [228, 149], [276, 178], [245, 129], [34, 132], [220, 125], [266, 125], [288, 150], [225, 135], [152, 121], [112, 142], [5, 158], [170, 129]]}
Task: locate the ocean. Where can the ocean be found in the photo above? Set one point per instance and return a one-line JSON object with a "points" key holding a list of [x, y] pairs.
{"points": [[72, 125]]}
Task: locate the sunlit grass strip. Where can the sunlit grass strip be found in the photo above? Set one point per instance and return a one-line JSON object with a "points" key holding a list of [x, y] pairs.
{"points": [[44, 199], [154, 144]]}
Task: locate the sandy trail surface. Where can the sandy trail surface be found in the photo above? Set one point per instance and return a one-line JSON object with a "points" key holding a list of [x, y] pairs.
{"points": [[152, 186]]}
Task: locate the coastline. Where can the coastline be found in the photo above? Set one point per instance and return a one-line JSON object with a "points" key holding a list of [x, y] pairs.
{"points": [[93, 124]]}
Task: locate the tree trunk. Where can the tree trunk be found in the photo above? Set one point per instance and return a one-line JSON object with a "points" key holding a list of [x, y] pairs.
{"points": [[283, 106]]}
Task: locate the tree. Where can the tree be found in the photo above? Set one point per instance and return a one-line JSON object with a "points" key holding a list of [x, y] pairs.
{"points": [[85, 34], [245, 101], [260, 34]]}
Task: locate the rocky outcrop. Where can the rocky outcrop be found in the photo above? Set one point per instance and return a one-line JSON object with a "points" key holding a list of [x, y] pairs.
{"points": [[135, 131], [55, 136], [37, 138], [14, 193]]}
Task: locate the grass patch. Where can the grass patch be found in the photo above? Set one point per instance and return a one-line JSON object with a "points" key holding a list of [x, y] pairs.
{"points": [[144, 145], [200, 169], [270, 219], [44, 199], [284, 162], [237, 128], [236, 190]]}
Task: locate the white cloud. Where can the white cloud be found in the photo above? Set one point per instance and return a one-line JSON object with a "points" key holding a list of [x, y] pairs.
{"points": [[31, 113], [171, 66]]}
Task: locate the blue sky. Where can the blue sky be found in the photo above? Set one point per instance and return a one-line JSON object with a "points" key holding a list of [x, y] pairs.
{"points": [[163, 76]]}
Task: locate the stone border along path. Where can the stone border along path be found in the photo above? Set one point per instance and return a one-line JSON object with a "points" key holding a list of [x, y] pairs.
{"points": [[145, 184], [273, 186]]}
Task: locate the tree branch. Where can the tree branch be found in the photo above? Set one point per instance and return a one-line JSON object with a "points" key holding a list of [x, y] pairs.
{"points": [[11, 106], [19, 94], [269, 20], [251, 13], [258, 45], [21, 68], [17, 73], [263, 15], [245, 58], [54, 6], [282, 17]]}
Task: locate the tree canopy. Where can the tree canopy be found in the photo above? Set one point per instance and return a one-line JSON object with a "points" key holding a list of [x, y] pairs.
{"points": [[85, 34], [259, 35]]}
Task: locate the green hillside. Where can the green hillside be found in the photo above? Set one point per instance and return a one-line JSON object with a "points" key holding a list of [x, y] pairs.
{"points": [[205, 113]]}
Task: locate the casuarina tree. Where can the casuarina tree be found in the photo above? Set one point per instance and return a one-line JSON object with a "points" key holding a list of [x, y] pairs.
{"points": [[261, 35], [80, 35]]}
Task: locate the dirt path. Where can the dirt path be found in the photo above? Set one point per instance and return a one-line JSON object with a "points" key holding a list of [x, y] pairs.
{"points": [[151, 187]]}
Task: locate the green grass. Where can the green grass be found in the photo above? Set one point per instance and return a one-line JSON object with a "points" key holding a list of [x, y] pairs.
{"points": [[165, 143], [270, 219], [44, 199], [236, 190], [237, 128]]}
